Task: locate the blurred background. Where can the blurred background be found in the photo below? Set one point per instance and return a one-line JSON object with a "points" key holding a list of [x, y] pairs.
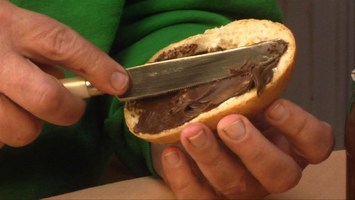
{"points": [[324, 32]]}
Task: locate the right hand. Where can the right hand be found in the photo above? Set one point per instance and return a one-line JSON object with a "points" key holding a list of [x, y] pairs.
{"points": [[31, 46]]}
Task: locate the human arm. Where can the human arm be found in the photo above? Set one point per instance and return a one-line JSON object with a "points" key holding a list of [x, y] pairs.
{"points": [[268, 158]]}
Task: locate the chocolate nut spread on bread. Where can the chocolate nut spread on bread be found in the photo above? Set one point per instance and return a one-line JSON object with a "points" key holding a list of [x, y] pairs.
{"points": [[250, 89]]}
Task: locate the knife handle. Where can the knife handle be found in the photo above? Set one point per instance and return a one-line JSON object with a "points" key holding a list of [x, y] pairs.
{"points": [[80, 87]]}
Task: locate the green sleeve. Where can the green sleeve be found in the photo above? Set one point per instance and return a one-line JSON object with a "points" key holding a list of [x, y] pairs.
{"points": [[146, 27]]}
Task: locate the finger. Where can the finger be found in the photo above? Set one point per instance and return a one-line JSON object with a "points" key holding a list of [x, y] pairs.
{"points": [[38, 93], [19, 129], [181, 178], [274, 169], [311, 138], [223, 169], [46, 40]]}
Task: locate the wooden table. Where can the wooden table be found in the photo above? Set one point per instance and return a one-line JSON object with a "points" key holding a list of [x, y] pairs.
{"points": [[322, 181]]}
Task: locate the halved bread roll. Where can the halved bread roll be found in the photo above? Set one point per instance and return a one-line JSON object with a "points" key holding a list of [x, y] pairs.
{"points": [[161, 119]]}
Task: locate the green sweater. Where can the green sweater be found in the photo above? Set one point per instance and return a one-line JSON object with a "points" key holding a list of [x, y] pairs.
{"points": [[65, 159]]}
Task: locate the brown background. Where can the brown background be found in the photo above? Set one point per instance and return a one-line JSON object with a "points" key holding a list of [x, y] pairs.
{"points": [[324, 31]]}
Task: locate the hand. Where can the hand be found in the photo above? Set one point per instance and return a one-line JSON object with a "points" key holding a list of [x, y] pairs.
{"points": [[246, 160], [32, 45]]}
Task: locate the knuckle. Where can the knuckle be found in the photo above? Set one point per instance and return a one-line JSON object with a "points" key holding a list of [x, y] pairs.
{"points": [[181, 187], [59, 42], [210, 159], [244, 187], [48, 98], [234, 190], [53, 105], [91, 62], [254, 155], [96, 61], [299, 128]]}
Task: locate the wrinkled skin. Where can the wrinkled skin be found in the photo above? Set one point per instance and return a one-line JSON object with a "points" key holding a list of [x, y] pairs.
{"points": [[245, 159], [31, 46]]}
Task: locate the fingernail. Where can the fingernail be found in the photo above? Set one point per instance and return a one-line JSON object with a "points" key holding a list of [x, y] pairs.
{"points": [[119, 81], [172, 158], [277, 112], [236, 130], [198, 140]]}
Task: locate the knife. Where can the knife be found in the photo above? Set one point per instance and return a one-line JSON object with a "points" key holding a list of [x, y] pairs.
{"points": [[158, 78]]}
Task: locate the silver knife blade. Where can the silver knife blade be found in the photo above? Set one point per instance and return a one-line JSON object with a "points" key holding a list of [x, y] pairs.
{"points": [[166, 76], [158, 78]]}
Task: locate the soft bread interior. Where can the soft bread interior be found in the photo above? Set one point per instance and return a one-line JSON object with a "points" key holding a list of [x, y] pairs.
{"points": [[236, 34]]}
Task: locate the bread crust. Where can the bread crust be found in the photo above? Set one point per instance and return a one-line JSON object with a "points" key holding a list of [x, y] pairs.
{"points": [[233, 35]]}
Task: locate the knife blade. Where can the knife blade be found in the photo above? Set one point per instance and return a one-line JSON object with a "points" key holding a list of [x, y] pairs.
{"points": [[153, 79]]}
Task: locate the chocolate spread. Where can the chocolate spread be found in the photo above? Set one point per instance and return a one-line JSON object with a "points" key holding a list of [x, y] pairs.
{"points": [[176, 108]]}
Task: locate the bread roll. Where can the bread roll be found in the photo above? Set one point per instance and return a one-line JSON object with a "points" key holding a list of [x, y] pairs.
{"points": [[240, 33]]}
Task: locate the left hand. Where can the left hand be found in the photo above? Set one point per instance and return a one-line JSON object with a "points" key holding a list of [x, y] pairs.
{"points": [[246, 160]]}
